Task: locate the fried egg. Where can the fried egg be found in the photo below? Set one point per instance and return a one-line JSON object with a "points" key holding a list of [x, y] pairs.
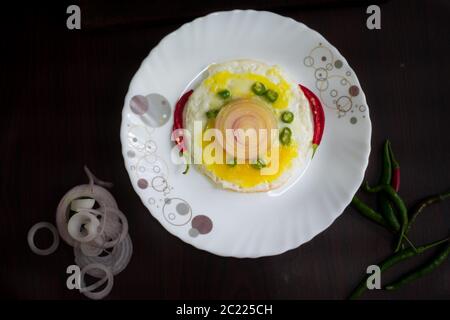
{"points": [[247, 94]]}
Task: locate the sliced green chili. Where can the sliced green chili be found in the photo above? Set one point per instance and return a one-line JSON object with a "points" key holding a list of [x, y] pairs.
{"points": [[287, 117], [259, 88], [271, 95], [211, 114], [224, 94], [285, 136], [259, 164]]}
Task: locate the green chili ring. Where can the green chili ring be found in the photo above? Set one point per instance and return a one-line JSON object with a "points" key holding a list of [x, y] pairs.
{"points": [[259, 88], [271, 95], [287, 117], [224, 94], [259, 164], [211, 114], [285, 136]]}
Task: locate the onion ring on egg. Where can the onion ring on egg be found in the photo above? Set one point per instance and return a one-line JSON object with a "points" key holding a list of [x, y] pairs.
{"points": [[32, 233], [239, 116]]}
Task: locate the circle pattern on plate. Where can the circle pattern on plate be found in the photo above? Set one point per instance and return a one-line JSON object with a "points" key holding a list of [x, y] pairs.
{"points": [[154, 109], [334, 83], [223, 222], [177, 211]]}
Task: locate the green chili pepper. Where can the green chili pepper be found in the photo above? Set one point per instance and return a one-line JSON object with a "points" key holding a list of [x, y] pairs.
{"points": [[395, 181], [425, 203], [385, 204], [386, 173], [285, 136], [376, 217], [393, 195], [287, 117], [211, 114], [224, 94], [398, 202], [259, 164], [368, 212], [259, 88], [271, 95], [425, 269], [393, 260], [389, 213], [183, 154]]}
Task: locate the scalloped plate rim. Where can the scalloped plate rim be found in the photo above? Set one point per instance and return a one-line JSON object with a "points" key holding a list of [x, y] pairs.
{"points": [[314, 233]]}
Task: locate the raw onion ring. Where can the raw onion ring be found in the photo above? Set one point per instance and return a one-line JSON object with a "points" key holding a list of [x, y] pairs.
{"points": [[83, 219], [101, 195], [93, 286], [117, 260], [113, 227], [90, 249], [94, 180], [112, 235], [104, 292], [32, 232], [111, 230], [114, 230], [79, 204]]}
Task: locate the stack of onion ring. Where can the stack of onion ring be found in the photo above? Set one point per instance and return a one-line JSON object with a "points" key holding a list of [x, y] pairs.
{"points": [[99, 236]]}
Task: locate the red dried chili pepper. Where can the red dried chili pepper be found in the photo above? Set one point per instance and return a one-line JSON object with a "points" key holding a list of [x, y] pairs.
{"points": [[318, 116], [178, 119]]}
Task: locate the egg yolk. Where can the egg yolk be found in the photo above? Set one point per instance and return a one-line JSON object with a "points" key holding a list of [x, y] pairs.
{"points": [[245, 175], [239, 85]]}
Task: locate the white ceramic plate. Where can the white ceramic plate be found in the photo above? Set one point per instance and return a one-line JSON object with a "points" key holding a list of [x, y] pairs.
{"points": [[229, 223]]}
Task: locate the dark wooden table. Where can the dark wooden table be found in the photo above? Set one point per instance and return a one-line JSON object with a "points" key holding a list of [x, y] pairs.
{"points": [[62, 96]]}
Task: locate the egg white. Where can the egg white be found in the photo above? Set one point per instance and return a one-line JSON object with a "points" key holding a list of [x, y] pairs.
{"points": [[203, 99]]}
